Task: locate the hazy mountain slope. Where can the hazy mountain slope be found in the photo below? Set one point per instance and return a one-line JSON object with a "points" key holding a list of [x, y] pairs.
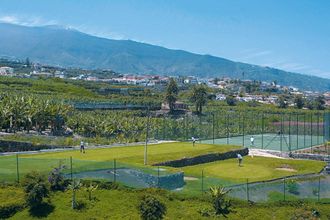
{"points": [[66, 47]]}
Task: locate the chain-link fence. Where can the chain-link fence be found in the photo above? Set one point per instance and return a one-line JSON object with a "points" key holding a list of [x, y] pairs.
{"points": [[312, 187], [286, 132], [309, 186], [14, 168]]}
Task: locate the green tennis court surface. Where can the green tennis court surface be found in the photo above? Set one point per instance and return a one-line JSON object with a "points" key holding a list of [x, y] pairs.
{"points": [[271, 141]]}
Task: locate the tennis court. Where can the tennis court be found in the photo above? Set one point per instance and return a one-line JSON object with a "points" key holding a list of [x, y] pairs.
{"points": [[271, 141]]}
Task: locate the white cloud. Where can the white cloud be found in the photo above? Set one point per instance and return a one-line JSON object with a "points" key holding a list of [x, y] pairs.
{"points": [[26, 21]]}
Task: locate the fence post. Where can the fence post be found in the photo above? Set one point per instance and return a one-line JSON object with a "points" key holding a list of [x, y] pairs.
{"points": [[290, 132], [202, 181], [318, 128], [319, 190], [158, 183], [304, 130], [227, 125], [284, 189], [213, 126], [297, 128], [262, 130], [114, 170], [247, 190], [17, 168], [243, 128], [311, 133], [71, 174], [282, 132]]}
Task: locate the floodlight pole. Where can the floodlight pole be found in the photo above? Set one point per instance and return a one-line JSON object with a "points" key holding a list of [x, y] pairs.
{"points": [[146, 143]]}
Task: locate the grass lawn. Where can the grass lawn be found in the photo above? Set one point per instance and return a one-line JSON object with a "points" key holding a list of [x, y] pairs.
{"points": [[102, 158], [254, 169], [134, 154], [122, 204]]}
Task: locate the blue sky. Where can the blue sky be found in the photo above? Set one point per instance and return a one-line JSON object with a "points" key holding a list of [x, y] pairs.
{"points": [[293, 35]]}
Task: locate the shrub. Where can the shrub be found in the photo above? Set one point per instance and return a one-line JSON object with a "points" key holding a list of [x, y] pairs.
{"points": [[7, 211], [74, 186], [220, 204], [56, 179], [90, 189], [151, 208], [36, 188], [305, 213]]}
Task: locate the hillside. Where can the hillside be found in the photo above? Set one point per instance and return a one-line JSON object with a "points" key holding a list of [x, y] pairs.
{"points": [[70, 48]]}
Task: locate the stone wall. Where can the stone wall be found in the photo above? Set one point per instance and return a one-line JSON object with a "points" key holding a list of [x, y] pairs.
{"points": [[206, 158]]}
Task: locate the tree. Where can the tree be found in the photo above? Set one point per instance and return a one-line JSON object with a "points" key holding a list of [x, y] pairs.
{"points": [[319, 103], [199, 97], [220, 204], [282, 102], [36, 188], [299, 101], [231, 101], [171, 94], [151, 208]]}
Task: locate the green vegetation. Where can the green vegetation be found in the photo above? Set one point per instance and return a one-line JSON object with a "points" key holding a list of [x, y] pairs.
{"points": [[36, 188], [198, 96], [171, 94], [151, 208], [123, 203], [221, 205], [225, 172], [254, 169], [134, 154]]}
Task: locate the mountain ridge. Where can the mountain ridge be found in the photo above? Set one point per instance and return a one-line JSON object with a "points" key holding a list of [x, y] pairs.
{"points": [[71, 48]]}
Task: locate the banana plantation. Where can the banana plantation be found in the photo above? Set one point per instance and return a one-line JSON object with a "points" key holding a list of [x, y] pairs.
{"points": [[26, 113]]}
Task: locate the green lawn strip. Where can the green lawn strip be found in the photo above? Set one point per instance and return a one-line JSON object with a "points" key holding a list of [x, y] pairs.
{"points": [[254, 169], [93, 159], [122, 204], [134, 154]]}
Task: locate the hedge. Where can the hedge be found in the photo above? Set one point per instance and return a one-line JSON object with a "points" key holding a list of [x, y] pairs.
{"points": [[206, 158], [15, 146]]}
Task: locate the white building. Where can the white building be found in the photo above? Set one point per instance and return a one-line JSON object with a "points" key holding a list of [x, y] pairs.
{"points": [[5, 70]]}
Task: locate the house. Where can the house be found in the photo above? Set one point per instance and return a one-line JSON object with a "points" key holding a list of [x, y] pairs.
{"points": [[5, 70], [177, 106], [220, 97]]}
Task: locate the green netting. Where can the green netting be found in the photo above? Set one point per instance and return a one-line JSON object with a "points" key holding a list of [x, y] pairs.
{"points": [[312, 187], [14, 168]]}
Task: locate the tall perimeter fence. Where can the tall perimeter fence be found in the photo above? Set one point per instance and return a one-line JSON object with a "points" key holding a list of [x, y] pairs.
{"points": [[280, 131]]}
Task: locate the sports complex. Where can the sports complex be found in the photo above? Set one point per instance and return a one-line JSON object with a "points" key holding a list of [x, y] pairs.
{"points": [[168, 159]]}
